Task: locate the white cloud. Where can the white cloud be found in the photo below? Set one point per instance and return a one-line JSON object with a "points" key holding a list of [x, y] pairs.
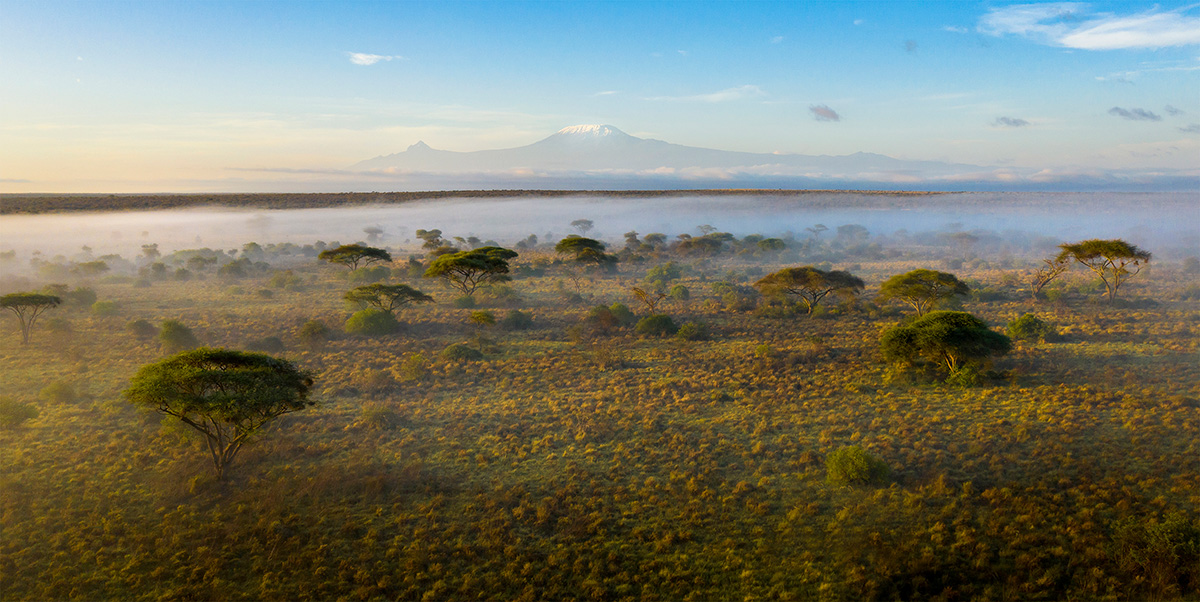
{"points": [[606, 93], [1072, 25], [362, 58], [955, 29], [729, 94], [776, 39]]}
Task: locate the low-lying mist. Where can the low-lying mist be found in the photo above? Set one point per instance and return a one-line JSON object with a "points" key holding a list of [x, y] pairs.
{"points": [[1161, 222]]}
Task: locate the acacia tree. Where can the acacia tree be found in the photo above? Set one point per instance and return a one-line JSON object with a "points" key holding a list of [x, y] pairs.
{"points": [[583, 225], [467, 270], [227, 396], [1045, 274], [951, 339], [352, 255], [809, 284], [27, 307], [585, 253], [923, 289], [387, 297], [1114, 261]]}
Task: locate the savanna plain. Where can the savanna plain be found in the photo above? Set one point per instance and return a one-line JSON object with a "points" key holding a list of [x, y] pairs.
{"points": [[649, 417]]}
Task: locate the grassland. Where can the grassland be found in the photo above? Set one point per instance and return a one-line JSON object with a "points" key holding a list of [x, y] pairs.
{"points": [[577, 462]]}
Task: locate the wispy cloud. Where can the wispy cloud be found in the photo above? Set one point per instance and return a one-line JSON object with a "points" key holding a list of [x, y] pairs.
{"points": [[1134, 114], [955, 29], [824, 113], [362, 58], [1072, 25], [729, 94], [1010, 122], [1191, 129], [1173, 111], [606, 93], [777, 39]]}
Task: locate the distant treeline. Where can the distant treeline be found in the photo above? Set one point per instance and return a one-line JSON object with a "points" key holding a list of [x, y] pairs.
{"points": [[50, 203]]}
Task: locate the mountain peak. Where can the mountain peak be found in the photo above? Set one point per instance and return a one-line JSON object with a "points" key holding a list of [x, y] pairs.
{"points": [[592, 131], [419, 146]]}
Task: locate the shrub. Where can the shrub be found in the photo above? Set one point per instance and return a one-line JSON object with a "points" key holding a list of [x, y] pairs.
{"points": [[659, 325], [313, 333], [414, 368], [284, 279], [483, 318], [693, 331], [680, 292], [176, 337], [459, 353], [621, 312], [13, 412], [265, 293], [854, 466], [368, 275], [141, 329], [463, 302], [104, 308], [516, 320], [58, 392], [267, 344], [379, 417], [1029, 327], [601, 318], [372, 322]]}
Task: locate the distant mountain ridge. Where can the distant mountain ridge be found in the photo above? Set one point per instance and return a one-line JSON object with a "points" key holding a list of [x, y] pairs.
{"points": [[601, 148]]}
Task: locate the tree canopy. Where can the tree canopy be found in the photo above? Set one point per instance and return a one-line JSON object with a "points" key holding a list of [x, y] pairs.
{"points": [[353, 255], [951, 339], [227, 396], [585, 251], [809, 284], [387, 297], [1114, 261], [923, 289], [27, 307], [467, 270]]}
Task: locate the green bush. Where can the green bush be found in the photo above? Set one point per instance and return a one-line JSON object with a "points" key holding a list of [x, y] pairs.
{"points": [[1029, 327], [463, 302], [104, 308], [141, 329], [693, 331], [379, 417], [680, 292], [516, 320], [313, 333], [266, 344], [621, 312], [13, 412], [483, 318], [459, 353], [372, 322], [414, 368], [58, 392], [176, 337], [368, 275], [854, 466], [658, 325]]}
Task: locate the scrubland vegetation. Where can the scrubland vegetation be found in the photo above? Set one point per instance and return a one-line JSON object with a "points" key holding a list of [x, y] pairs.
{"points": [[655, 418]]}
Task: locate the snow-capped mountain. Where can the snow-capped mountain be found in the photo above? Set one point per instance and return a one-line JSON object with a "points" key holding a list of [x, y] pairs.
{"points": [[597, 149]]}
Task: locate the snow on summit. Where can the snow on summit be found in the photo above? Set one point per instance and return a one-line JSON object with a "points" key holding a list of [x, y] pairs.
{"points": [[591, 131]]}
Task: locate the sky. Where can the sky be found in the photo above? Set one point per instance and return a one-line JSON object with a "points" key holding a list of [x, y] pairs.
{"points": [[225, 96]]}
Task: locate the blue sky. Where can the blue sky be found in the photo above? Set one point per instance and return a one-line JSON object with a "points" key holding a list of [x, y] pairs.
{"points": [[178, 96]]}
